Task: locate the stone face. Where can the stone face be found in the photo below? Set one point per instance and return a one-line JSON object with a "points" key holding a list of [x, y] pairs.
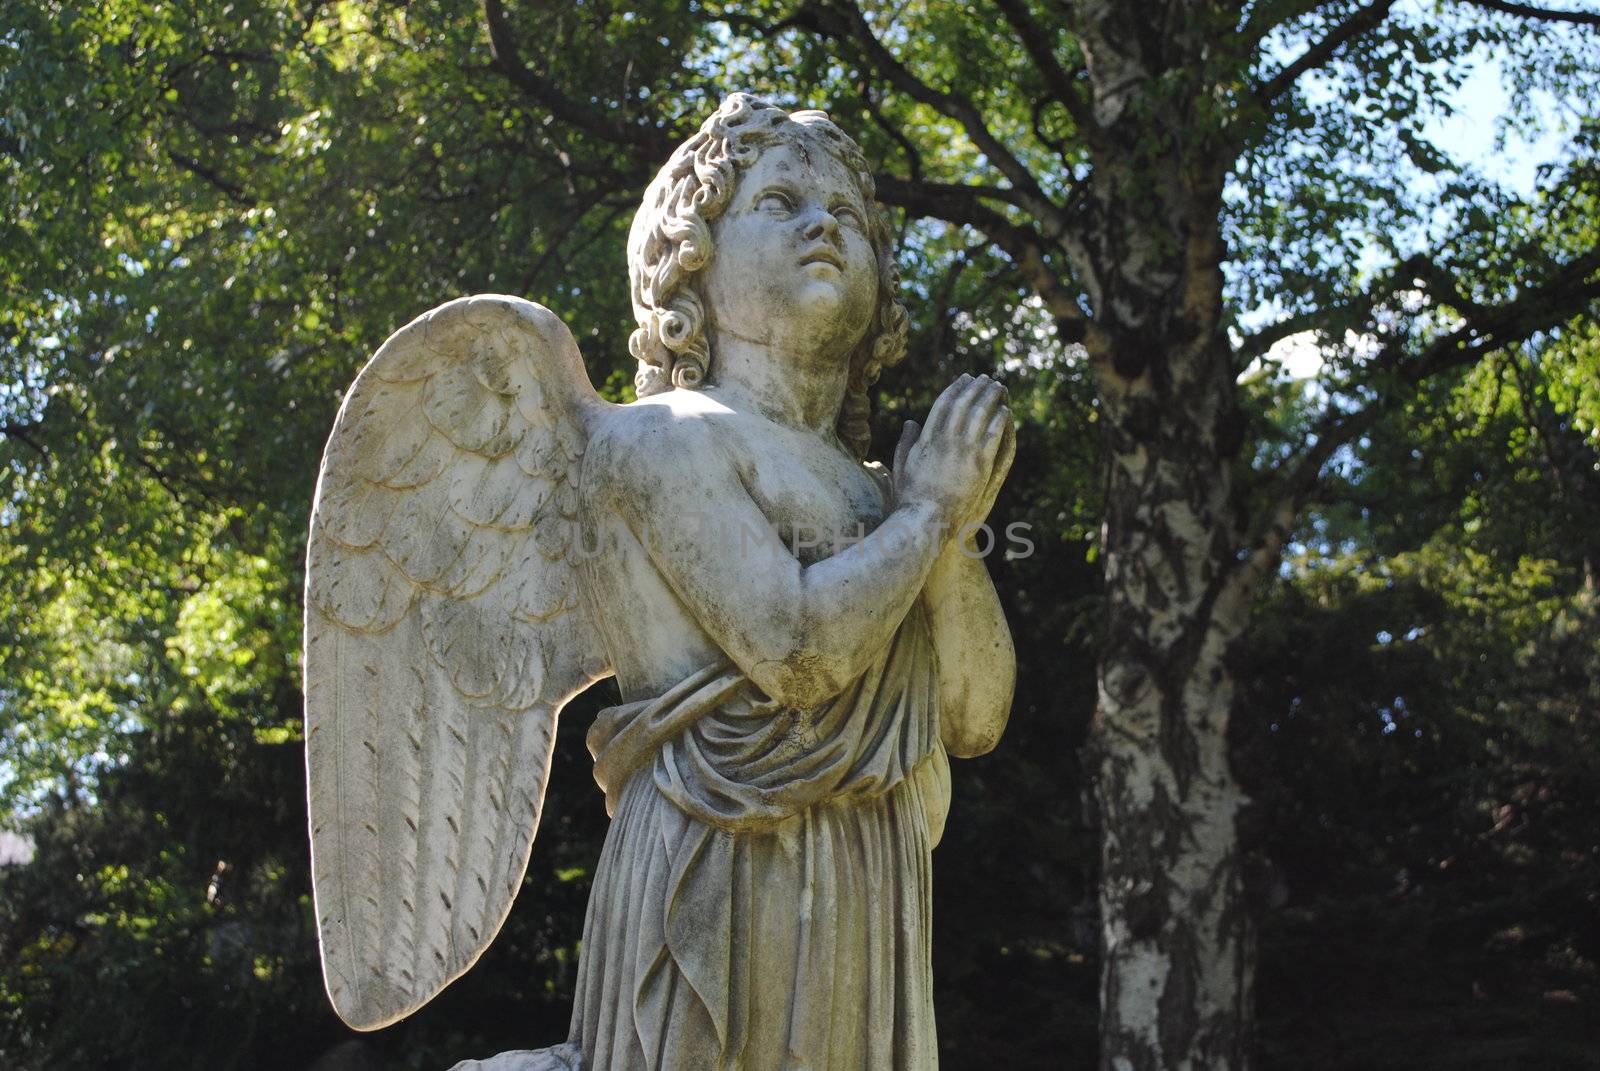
{"points": [[800, 638]]}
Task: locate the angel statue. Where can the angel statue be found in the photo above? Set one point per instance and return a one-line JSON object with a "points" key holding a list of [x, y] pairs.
{"points": [[799, 637]]}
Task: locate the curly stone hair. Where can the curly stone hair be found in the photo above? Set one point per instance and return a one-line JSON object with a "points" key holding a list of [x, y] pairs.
{"points": [[669, 246]]}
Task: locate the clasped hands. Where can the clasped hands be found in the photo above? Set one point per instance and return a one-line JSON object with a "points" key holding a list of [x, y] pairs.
{"points": [[957, 461]]}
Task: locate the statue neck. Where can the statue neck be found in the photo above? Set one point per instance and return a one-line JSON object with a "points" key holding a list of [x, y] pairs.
{"points": [[791, 385]]}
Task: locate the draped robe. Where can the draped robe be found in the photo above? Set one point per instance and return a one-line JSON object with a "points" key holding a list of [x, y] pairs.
{"points": [[763, 900]]}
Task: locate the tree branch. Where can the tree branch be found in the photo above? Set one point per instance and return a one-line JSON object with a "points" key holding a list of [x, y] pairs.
{"points": [[1579, 18], [1057, 78], [232, 190], [977, 190], [647, 143], [843, 19], [1407, 275], [23, 433], [1261, 342], [1024, 246], [898, 136], [554, 246], [1037, 118], [1487, 328], [1364, 20]]}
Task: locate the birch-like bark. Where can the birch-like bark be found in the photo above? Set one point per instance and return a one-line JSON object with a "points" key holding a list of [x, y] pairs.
{"points": [[1178, 940]]}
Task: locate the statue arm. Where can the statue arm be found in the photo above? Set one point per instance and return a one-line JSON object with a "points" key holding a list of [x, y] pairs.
{"points": [[800, 633], [977, 662]]}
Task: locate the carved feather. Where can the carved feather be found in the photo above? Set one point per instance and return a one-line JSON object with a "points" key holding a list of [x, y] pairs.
{"points": [[444, 632]]}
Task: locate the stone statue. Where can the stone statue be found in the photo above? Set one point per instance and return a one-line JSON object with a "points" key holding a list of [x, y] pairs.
{"points": [[799, 638]]}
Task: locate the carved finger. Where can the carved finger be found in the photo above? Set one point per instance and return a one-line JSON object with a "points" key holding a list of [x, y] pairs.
{"points": [[982, 409], [908, 439], [1008, 445], [994, 435], [939, 413], [961, 405], [1002, 464]]}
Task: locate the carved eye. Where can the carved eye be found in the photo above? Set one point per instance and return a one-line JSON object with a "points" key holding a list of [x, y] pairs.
{"points": [[774, 201], [846, 213]]}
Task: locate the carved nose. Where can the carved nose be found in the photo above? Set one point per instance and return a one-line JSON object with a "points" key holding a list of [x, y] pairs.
{"points": [[822, 224]]}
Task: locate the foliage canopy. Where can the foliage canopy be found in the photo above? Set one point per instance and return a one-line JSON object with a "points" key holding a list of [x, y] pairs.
{"points": [[214, 211]]}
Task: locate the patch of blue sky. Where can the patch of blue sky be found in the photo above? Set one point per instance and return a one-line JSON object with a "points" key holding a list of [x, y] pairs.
{"points": [[1486, 129]]}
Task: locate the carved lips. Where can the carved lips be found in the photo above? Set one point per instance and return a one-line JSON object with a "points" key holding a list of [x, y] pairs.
{"points": [[824, 255]]}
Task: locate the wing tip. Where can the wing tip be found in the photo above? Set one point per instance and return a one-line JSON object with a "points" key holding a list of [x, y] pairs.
{"points": [[373, 1008]]}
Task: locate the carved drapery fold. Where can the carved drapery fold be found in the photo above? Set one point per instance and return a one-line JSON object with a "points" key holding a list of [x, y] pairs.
{"points": [[765, 886]]}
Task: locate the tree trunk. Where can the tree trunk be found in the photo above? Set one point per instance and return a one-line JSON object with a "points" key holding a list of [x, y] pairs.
{"points": [[1179, 941], [1179, 948]]}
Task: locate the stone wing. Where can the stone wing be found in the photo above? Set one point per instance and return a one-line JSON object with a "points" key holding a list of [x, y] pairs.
{"points": [[444, 631]]}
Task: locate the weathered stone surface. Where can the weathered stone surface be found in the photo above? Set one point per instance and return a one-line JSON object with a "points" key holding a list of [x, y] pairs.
{"points": [[800, 638]]}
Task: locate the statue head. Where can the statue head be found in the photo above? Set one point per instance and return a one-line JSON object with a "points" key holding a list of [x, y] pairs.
{"points": [[670, 248]]}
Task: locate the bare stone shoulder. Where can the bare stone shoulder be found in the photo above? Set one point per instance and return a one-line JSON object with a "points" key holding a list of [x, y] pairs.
{"points": [[664, 444]]}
